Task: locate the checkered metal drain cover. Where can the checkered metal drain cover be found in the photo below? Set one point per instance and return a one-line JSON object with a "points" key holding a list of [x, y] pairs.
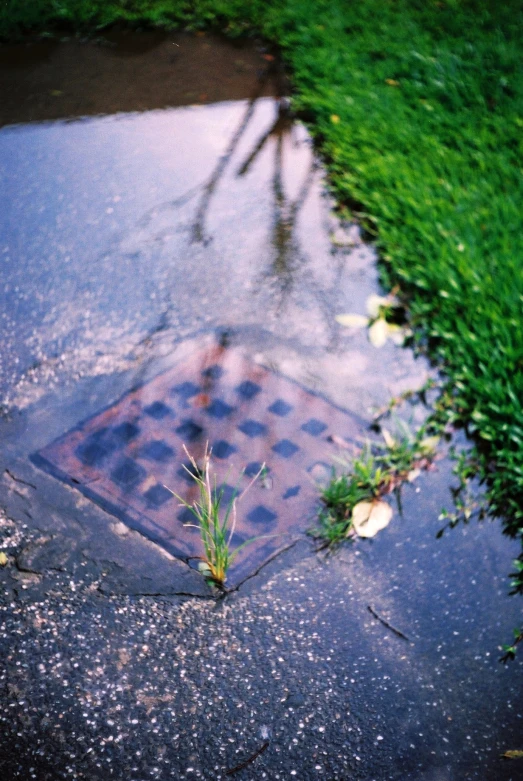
{"points": [[127, 457]]}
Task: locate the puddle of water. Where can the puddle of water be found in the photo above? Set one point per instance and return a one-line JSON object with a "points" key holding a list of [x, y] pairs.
{"points": [[147, 227], [127, 71], [144, 228], [213, 216]]}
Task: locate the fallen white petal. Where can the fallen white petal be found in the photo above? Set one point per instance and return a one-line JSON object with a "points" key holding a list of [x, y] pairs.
{"points": [[389, 439], [368, 518], [352, 320], [378, 333], [374, 303]]}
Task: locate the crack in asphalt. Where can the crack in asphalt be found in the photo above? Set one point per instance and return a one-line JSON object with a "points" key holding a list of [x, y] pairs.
{"points": [[19, 479]]}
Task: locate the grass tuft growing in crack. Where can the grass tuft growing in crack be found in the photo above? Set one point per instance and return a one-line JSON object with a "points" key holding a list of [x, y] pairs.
{"points": [[215, 519], [353, 501], [339, 498]]}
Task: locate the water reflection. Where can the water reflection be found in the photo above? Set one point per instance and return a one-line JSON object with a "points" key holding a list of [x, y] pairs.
{"points": [[209, 189], [287, 257]]}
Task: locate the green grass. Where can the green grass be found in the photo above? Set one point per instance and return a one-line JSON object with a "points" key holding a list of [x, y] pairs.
{"points": [[378, 470], [19, 18], [215, 519], [357, 483], [417, 107]]}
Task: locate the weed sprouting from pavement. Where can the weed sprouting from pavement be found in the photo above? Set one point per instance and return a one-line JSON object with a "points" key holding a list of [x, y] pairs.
{"points": [[468, 501], [215, 518], [353, 501], [339, 498]]}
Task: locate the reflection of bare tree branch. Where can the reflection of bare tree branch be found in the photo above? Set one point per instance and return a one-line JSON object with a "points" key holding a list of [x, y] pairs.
{"points": [[288, 255], [289, 259], [254, 154], [168, 206], [198, 230], [287, 251], [305, 189], [282, 126], [277, 182]]}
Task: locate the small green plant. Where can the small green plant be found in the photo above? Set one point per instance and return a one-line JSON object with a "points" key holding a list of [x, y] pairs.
{"points": [[215, 519], [468, 503], [412, 395], [340, 497], [510, 650], [353, 501]]}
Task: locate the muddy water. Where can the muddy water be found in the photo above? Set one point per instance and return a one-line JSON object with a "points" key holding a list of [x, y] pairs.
{"points": [[173, 275], [125, 71]]}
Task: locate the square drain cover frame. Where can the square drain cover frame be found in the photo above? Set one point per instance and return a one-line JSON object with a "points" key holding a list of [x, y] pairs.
{"points": [[129, 458]]}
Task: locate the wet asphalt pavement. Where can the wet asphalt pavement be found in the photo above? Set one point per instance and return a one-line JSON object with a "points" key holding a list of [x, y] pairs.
{"points": [[124, 239]]}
